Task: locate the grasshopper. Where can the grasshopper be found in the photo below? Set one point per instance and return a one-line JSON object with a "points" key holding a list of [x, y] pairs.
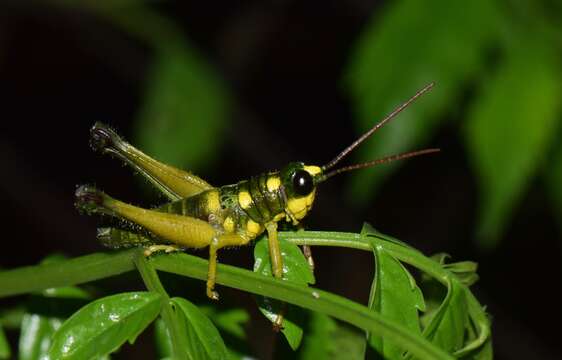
{"points": [[200, 215]]}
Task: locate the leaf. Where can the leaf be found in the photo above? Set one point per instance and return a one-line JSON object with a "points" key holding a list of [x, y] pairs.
{"points": [[328, 339], [320, 341], [11, 318], [396, 296], [204, 341], [554, 179], [295, 269], [45, 313], [184, 111], [5, 351], [465, 271], [102, 326], [68, 292], [231, 321], [486, 352], [509, 129], [350, 343], [35, 337], [446, 328], [162, 339], [413, 44]]}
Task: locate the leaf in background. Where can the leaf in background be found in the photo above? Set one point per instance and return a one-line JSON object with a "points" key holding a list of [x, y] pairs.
{"points": [[396, 296], [231, 321], [554, 183], [295, 269], [184, 112], [11, 318], [231, 324], [412, 44], [5, 351], [102, 326], [204, 341], [320, 341], [447, 326], [35, 337], [350, 343], [509, 129], [185, 102], [162, 339], [64, 292], [45, 312]]}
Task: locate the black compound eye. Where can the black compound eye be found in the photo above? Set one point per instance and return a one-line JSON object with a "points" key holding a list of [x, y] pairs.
{"points": [[302, 183]]}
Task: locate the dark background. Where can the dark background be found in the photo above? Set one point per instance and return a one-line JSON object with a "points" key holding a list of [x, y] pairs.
{"points": [[62, 69]]}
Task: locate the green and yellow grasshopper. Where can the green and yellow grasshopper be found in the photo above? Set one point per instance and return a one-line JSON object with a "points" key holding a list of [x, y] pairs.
{"points": [[201, 215]]}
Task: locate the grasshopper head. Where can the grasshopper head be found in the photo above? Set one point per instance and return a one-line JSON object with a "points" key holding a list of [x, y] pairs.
{"points": [[299, 184], [300, 180]]}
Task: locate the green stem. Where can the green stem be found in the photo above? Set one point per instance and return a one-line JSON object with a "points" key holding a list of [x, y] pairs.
{"points": [[97, 266], [356, 241], [64, 273], [72, 272], [152, 282], [306, 297]]}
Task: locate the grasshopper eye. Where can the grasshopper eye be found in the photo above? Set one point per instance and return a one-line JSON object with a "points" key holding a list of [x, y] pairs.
{"points": [[303, 184]]}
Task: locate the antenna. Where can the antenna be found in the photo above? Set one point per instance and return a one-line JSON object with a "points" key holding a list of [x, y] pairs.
{"points": [[380, 124]]}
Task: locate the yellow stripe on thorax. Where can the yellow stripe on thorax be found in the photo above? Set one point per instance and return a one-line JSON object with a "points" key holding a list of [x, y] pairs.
{"points": [[212, 200], [244, 199], [253, 228]]}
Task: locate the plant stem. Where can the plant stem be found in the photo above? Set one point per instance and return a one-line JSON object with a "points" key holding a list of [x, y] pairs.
{"points": [[152, 282], [68, 272], [97, 266], [310, 298], [356, 241]]}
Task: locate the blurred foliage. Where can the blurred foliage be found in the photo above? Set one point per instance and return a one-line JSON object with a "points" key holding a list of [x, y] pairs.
{"points": [[499, 60], [186, 103], [513, 62], [554, 177], [184, 112]]}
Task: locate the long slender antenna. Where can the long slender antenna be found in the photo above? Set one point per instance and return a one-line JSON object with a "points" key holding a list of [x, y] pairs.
{"points": [[377, 162], [376, 127]]}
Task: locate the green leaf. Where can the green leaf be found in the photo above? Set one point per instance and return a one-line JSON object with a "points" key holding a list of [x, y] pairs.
{"points": [[328, 339], [11, 318], [5, 351], [45, 314], [554, 181], [320, 341], [413, 44], [486, 352], [296, 270], [36, 335], [184, 112], [162, 339], [509, 129], [204, 341], [446, 328], [102, 326], [68, 292], [295, 266], [465, 271], [396, 296], [231, 321]]}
